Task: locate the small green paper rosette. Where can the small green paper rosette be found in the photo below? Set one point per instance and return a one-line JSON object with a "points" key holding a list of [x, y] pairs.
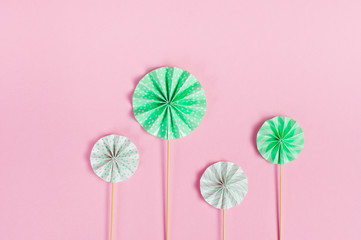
{"points": [[280, 140], [114, 158], [224, 185], [169, 103]]}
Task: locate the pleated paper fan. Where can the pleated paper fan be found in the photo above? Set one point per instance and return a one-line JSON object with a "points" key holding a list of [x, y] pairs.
{"points": [[169, 103], [280, 140], [224, 185], [114, 158]]}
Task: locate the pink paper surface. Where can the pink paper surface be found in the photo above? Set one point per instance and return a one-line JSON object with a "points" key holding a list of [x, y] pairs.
{"points": [[68, 70]]}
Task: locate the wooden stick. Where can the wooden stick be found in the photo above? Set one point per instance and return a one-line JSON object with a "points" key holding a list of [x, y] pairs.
{"points": [[280, 205], [167, 210], [111, 221], [224, 224]]}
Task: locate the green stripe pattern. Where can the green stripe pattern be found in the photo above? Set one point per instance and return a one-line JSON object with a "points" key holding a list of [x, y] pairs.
{"points": [[114, 158], [280, 140], [169, 103], [224, 185]]}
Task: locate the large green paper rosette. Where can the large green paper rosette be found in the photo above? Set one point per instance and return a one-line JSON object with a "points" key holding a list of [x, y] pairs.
{"points": [[280, 140], [169, 103], [114, 158], [224, 185]]}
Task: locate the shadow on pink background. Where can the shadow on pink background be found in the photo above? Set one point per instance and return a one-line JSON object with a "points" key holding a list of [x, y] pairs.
{"points": [[67, 73]]}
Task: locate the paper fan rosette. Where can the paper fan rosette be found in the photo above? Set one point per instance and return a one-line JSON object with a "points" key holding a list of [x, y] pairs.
{"points": [[224, 185], [114, 159], [280, 140], [169, 103]]}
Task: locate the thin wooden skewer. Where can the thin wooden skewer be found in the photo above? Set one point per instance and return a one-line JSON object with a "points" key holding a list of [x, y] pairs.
{"points": [[224, 224], [111, 221], [280, 206], [167, 210]]}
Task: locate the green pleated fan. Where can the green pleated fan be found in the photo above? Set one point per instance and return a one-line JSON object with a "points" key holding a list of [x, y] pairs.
{"points": [[169, 103], [280, 140]]}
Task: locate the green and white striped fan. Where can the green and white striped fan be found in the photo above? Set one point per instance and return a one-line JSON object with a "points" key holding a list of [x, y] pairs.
{"points": [[114, 159], [224, 185], [280, 140]]}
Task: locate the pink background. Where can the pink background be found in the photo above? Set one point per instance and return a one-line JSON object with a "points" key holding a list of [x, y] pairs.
{"points": [[68, 70]]}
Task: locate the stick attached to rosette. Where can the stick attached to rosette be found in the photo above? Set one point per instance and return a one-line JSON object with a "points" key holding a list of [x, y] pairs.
{"points": [[169, 103], [280, 140], [224, 185], [114, 159]]}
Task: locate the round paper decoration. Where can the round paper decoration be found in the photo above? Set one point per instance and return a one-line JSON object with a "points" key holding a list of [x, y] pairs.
{"points": [[169, 103], [224, 185], [280, 140], [114, 158]]}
